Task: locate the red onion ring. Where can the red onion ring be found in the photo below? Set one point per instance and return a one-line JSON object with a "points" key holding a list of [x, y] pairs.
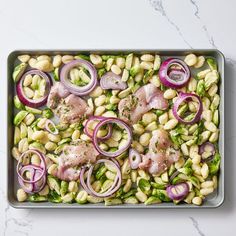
{"points": [[43, 166], [49, 122], [134, 163], [202, 149], [110, 121], [175, 193], [35, 172], [185, 97], [99, 118], [112, 81], [168, 76], [33, 102], [80, 91], [37, 187], [115, 186]]}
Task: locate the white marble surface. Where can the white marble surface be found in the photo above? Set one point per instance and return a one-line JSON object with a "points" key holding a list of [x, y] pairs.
{"points": [[123, 24]]}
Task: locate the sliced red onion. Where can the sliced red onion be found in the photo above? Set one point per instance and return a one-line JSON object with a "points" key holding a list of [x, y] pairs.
{"points": [[39, 185], [172, 77], [33, 102], [37, 180], [174, 175], [47, 124], [187, 97], [99, 118], [209, 148], [82, 182], [20, 168], [77, 90], [112, 81], [178, 191], [134, 158], [112, 121], [116, 184]]}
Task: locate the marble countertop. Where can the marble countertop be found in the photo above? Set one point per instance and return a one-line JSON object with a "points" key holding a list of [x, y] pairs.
{"points": [[123, 24]]}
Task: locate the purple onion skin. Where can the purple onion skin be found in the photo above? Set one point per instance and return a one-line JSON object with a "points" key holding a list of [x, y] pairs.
{"points": [[179, 196], [96, 140], [134, 163], [183, 97], [73, 88], [20, 92], [163, 72]]}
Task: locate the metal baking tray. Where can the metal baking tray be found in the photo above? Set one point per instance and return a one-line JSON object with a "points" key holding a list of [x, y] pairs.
{"points": [[212, 201]]}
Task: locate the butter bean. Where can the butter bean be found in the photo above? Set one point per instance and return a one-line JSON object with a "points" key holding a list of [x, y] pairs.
{"points": [[170, 124], [200, 62], [147, 57], [197, 201], [67, 58], [24, 58], [99, 111], [57, 60], [206, 191], [146, 65], [163, 118], [21, 195], [144, 139], [148, 118], [210, 126], [190, 59], [169, 94], [116, 69], [204, 171]]}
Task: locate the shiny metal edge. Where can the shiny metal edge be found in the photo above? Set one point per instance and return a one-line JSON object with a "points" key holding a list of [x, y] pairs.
{"points": [[216, 202]]}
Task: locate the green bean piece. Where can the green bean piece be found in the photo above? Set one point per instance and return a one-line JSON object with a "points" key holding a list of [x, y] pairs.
{"points": [[20, 116], [18, 71], [18, 104]]}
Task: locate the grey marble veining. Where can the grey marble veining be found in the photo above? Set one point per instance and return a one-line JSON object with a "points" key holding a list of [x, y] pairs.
{"points": [[121, 24]]}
